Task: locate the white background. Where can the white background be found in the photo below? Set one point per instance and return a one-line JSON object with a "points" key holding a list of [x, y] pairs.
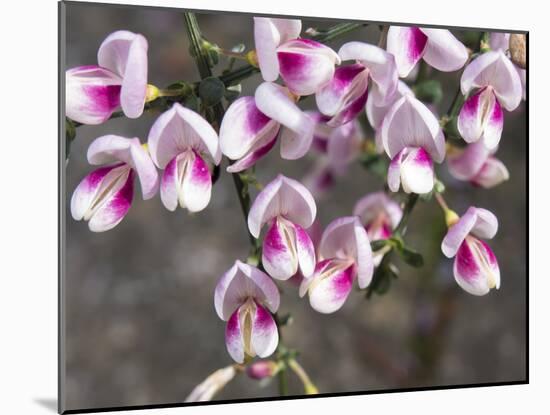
{"points": [[28, 230]]}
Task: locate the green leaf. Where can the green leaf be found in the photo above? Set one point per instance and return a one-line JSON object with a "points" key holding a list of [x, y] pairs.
{"points": [[70, 135], [379, 244], [384, 284], [192, 102], [411, 257]]}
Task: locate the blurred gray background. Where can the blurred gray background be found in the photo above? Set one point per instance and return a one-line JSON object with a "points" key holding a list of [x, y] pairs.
{"points": [[140, 321]]}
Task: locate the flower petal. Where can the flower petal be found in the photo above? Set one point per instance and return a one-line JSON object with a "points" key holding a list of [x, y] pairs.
{"points": [[258, 151], [499, 40], [409, 123], [268, 34], [170, 185], [381, 65], [273, 101], [288, 28], [467, 164], [444, 51], [369, 207], [196, 183], [492, 173], [306, 65], [242, 281], [408, 45], [265, 336], [282, 197], [279, 256], [125, 53], [394, 171], [104, 197], [330, 286], [346, 238], [92, 94], [481, 117], [376, 114], [305, 250], [417, 172], [242, 126], [234, 337], [147, 172], [493, 126], [494, 69], [114, 148], [93, 186], [180, 129], [477, 221], [476, 268], [345, 95], [344, 146]]}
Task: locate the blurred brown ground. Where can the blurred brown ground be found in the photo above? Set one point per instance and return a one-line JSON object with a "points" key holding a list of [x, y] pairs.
{"points": [[141, 326]]}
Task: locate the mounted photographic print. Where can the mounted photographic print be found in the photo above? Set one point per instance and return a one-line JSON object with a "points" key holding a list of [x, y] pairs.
{"points": [[259, 207]]}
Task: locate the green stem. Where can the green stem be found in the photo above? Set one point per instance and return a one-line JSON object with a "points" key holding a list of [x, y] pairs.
{"points": [[407, 209], [201, 60], [283, 381], [337, 31]]}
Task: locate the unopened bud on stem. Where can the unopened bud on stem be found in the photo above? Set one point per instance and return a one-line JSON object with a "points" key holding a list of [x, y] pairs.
{"points": [[152, 93], [262, 369]]}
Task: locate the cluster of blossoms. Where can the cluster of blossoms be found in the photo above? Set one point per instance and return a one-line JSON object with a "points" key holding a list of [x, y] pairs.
{"points": [[359, 77]]}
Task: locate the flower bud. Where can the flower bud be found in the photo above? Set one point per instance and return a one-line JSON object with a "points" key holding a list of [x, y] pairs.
{"points": [[262, 369], [152, 93], [252, 58]]}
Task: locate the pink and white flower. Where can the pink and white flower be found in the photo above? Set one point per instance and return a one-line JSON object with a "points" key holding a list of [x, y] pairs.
{"points": [[439, 48], [476, 164], [251, 125], [412, 138], [245, 297], [499, 85], [344, 255], [380, 215], [475, 267], [501, 41], [182, 143], [304, 65], [94, 92], [374, 74], [105, 195], [288, 208], [340, 149]]}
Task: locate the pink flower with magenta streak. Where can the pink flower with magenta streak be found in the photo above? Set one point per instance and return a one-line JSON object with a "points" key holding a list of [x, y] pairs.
{"points": [[439, 48], [344, 255], [412, 138], [477, 165], [374, 74], [251, 126], [105, 195], [498, 85], [501, 41], [181, 142], [288, 208], [380, 215], [475, 268], [304, 65], [245, 297], [94, 92]]}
